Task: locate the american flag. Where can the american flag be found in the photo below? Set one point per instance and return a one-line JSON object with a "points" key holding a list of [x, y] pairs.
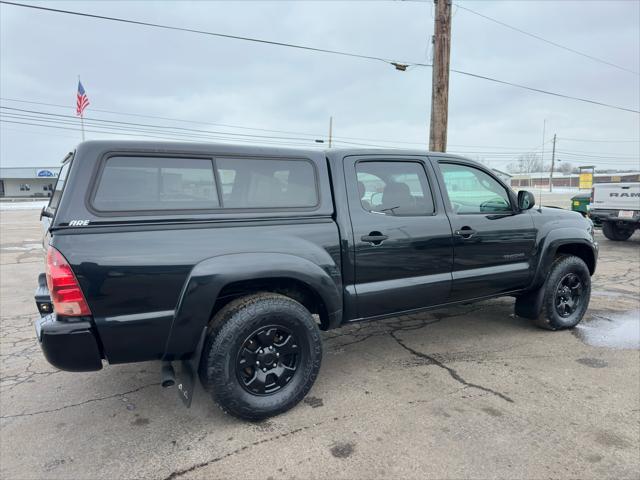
{"points": [[82, 100]]}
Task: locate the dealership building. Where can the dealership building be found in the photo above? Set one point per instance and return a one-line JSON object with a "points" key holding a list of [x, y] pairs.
{"points": [[28, 181]]}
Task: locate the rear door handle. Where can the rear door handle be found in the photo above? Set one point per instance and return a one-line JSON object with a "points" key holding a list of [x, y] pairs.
{"points": [[465, 232], [375, 238]]}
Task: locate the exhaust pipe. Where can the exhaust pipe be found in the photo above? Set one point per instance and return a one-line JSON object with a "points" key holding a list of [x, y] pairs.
{"points": [[168, 375]]}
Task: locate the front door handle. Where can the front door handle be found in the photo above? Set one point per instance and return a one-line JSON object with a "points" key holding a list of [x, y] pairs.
{"points": [[465, 232], [374, 238]]}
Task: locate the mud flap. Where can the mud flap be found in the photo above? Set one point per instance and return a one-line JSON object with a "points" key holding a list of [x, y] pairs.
{"points": [[187, 378], [531, 304]]}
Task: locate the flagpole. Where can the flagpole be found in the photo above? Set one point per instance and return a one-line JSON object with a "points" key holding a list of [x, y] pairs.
{"points": [[81, 117]]}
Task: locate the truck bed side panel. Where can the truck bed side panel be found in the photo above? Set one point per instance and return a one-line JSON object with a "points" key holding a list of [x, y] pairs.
{"points": [[132, 277]]}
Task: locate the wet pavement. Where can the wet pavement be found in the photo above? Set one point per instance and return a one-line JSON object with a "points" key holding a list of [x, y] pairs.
{"points": [[620, 330], [465, 392]]}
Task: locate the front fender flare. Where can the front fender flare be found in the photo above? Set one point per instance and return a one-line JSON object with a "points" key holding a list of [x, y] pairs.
{"points": [[210, 276], [552, 242]]}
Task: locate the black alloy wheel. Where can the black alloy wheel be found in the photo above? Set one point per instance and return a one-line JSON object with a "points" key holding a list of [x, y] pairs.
{"points": [[261, 355], [562, 300], [568, 295], [267, 360]]}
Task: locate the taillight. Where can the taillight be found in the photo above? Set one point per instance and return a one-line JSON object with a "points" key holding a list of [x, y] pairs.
{"points": [[64, 289]]}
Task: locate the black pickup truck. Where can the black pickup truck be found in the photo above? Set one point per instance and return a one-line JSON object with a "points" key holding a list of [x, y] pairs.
{"points": [[228, 260]]}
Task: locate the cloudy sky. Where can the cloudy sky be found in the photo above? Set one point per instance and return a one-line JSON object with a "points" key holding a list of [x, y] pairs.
{"points": [[210, 82]]}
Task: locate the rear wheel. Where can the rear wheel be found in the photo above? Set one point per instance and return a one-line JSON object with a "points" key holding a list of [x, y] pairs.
{"points": [[615, 232], [262, 356], [563, 299]]}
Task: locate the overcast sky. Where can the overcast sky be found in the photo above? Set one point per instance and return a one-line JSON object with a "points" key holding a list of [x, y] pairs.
{"points": [[134, 69]]}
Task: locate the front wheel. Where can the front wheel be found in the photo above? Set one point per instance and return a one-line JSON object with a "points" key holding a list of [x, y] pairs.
{"points": [[262, 356], [563, 299], [615, 232]]}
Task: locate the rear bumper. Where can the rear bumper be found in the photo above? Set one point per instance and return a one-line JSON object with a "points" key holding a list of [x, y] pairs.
{"points": [[67, 345], [70, 346], [613, 216]]}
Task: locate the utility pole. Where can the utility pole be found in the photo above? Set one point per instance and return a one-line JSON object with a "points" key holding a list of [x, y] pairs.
{"points": [[544, 133], [553, 161], [330, 130], [440, 76]]}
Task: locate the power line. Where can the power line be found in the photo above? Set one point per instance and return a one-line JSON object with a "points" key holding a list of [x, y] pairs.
{"points": [[399, 65], [200, 32], [562, 152], [116, 127], [137, 133], [67, 107], [113, 127], [314, 136], [160, 135], [621, 155], [52, 118], [547, 92], [34, 132], [33, 115], [597, 140], [232, 134], [550, 42]]}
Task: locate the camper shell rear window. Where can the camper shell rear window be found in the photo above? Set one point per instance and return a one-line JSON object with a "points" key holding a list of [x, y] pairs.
{"points": [[54, 201]]}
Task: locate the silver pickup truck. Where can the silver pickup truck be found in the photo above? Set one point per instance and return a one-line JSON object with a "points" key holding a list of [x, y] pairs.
{"points": [[617, 206]]}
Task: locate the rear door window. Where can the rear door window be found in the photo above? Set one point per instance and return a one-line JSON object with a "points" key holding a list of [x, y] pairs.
{"points": [[129, 183], [267, 183], [394, 188]]}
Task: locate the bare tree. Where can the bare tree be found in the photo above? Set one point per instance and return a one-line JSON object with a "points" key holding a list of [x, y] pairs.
{"points": [[527, 163], [566, 167], [513, 167]]}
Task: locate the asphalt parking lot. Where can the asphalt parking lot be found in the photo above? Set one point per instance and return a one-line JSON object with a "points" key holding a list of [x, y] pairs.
{"points": [[467, 392]]}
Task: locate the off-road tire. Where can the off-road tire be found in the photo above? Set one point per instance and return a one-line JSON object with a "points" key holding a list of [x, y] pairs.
{"points": [[230, 327], [615, 233], [539, 305]]}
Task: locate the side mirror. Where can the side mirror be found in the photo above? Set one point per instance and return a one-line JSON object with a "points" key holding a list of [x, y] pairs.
{"points": [[526, 200]]}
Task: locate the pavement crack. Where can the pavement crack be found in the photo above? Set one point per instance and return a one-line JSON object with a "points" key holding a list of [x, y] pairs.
{"points": [[184, 471], [452, 372], [91, 400], [369, 328]]}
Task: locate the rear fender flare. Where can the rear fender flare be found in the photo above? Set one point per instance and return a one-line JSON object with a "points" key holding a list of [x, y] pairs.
{"points": [[210, 276]]}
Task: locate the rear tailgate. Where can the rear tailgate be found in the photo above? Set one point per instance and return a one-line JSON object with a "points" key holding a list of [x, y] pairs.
{"points": [[616, 196]]}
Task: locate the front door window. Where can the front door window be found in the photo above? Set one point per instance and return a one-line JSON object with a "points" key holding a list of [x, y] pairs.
{"points": [[471, 190]]}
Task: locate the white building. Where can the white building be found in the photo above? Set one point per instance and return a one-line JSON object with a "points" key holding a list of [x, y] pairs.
{"points": [[541, 179], [28, 181]]}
